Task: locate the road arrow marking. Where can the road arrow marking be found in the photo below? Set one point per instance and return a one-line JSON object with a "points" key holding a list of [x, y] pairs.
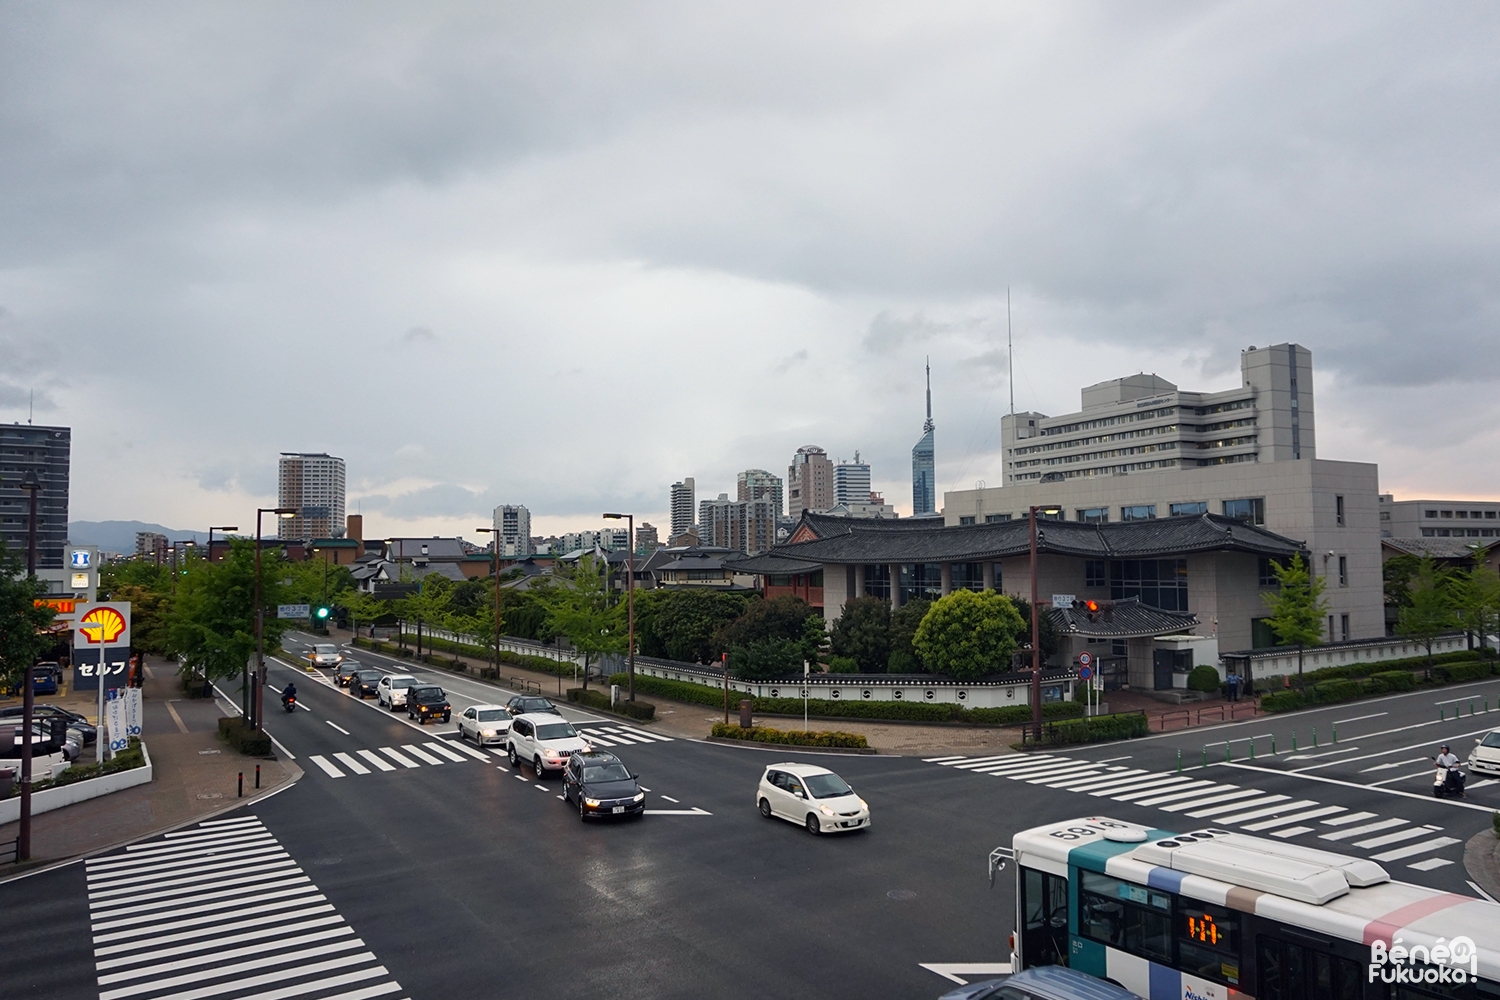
{"points": [[695, 811], [953, 970]]}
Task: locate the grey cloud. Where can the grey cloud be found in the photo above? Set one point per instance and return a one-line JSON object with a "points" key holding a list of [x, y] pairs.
{"points": [[788, 363], [418, 335]]}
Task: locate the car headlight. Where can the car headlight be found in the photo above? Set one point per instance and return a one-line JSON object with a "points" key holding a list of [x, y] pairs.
{"points": [[640, 796], [549, 752], [591, 803], [486, 732], [825, 810], [864, 805]]}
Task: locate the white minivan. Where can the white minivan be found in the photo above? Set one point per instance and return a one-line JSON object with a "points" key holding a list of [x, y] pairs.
{"points": [[813, 797]]}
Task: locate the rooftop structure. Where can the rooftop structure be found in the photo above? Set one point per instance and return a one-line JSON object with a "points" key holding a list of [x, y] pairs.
{"points": [[923, 464]]}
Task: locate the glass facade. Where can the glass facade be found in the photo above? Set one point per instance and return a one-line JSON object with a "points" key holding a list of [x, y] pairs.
{"points": [[1251, 510], [921, 580], [1157, 583], [1140, 512], [1190, 509], [878, 581], [1093, 515]]}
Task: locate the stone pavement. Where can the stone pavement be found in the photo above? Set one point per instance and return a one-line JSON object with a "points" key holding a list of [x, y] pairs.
{"points": [[195, 775]]}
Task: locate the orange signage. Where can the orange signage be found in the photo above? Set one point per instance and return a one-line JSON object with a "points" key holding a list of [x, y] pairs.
{"points": [[101, 626], [62, 605]]}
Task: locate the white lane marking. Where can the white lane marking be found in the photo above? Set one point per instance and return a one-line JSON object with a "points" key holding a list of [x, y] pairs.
{"points": [[1386, 753], [1359, 718], [1325, 753], [420, 754], [1111, 760], [235, 821], [1436, 844], [1423, 775], [939, 760], [1219, 810], [1194, 803], [396, 756], [442, 748], [956, 970], [519, 777], [335, 725], [465, 748], [980, 761], [1199, 789], [1301, 817], [1280, 807], [1481, 784], [351, 763], [505, 770], [541, 786], [269, 925], [656, 737], [327, 767], [668, 798], [1450, 803], [1479, 891], [1409, 833], [1345, 820], [369, 755], [1387, 767], [645, 789], [1089, 784], [1430, 864], [171, 869], [1175, 784], [293, 892], [1144, 787], [695, 811], [258, 963], [594, 737], [1356, 831], [1292, 831]]}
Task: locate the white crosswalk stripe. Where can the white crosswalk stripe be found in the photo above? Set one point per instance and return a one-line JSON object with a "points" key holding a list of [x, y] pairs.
{"points": [[194, 934], [358, 762], [618, 735]]}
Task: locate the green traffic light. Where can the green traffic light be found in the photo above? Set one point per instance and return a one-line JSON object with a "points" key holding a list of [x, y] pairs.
{"points": [[322, 612]]}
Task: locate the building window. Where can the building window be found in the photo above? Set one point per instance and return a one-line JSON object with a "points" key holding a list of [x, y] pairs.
{"points": [[1119, 647], [1266, 571], [1344, 628], [1250, 510], [1094, 515], [1338, 509], [1429, 513], [1461, 513], [1489, 515], [1056, 515], [1158, 583], [1429, 532], [968, 576], [1190, 509], [1140, 512], [966, 520], [878, 581], [995, 518], [1447, 513], [1093, 573], [1330, 628], [921, 580], [1444, 533], [1343, 571]]}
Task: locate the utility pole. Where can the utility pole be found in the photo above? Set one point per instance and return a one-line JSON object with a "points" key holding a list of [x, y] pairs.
{"points": [[1036, 631], [28, 695], [629, 594]]}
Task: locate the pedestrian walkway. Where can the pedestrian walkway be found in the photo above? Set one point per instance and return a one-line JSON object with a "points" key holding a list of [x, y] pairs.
{"points": [[221, 910], [409, 756], [609, 736], [1223, 805]]}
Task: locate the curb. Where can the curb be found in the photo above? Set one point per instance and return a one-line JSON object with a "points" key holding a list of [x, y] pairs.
{"points": [[791, 747]]}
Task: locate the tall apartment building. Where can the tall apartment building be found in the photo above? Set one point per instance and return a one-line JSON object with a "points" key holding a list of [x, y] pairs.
{"points": [[645, 537], [1477, 519], [851, 482], [682, 506], [747, 526], [758, 484], [1141, 449], [809, 481], [513, 524], [313, 484], [924, 464], [151, 546], [47, 453]]}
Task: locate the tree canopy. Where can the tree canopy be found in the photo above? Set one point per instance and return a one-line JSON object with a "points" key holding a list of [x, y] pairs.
{"points": [[863, 633], [1297, 606], [21, 621], [772, 638], [967, 635], [682, 624], [1429, 611]]}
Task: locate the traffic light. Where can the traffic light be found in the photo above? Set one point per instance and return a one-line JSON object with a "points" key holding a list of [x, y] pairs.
{"points": [[1092, 607], [321, 612]]}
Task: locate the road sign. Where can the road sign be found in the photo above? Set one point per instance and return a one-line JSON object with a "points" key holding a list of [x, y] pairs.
{"points": [[1063, 600], [103, 624], [293, 610], [1084, 673], [82, 558], [1085, 658]]}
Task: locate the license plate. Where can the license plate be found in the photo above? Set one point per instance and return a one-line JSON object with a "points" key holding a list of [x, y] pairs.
{"points": [[618, 809]]}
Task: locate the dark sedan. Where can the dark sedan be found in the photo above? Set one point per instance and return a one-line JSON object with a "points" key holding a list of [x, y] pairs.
{"points": [[366, 683], [526, 704], [427, 701], [347, 671], [602, 786], [11, 714]]}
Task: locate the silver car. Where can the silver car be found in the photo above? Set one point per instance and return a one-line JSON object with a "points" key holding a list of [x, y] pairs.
{"points": [[391, 692], [484, 724]]}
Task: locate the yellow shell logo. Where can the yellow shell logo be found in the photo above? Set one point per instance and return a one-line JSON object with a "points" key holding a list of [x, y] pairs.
{"points": [[101, 626]]}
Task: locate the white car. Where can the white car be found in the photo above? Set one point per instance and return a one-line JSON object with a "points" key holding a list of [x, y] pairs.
{"points": [[325, 654], [484, 724], [813, 797], [544, 741], [1485, 756], [391, 691]]}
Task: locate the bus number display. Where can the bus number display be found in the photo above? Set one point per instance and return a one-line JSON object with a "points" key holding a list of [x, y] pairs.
{"points": [[1202, 927]]}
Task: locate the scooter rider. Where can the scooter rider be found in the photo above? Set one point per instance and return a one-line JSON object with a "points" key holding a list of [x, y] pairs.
{"points": [[1449, 777], [290, 692]]}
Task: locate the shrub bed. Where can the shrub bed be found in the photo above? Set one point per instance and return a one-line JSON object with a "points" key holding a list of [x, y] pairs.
{"points": [[540, 664], [761, 734], [1367, 668], [1333, 690], [1454, 673], [599, 699], [193, 686], [1124, 726], [244, 738], [1392, 680], [128, 759], [1203, 678]]}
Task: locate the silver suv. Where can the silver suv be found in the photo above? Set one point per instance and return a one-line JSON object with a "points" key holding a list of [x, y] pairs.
{"points": [[544, 741]]}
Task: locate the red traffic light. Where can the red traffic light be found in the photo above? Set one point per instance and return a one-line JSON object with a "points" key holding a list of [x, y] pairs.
{"points": [[1091, 606]]}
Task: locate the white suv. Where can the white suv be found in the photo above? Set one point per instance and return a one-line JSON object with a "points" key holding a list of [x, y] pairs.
{"points": [[391, 691], [544, 741]]}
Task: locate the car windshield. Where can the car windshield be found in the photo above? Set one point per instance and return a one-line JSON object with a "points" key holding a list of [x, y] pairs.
{"points": [[349, 667], [369, 675], [400, 682], [555, 731], [493, 714], [432, 693], [1492, 740], [826, 786], [538, 705], [325, 648], [607, 772]]}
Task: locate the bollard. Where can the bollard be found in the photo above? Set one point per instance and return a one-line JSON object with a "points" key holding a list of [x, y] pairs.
{"points": [[1273, 744], [1335, 733], [257, 775], [1294, 741], [1315, 737], [1440, 713], [1471, 708], [1252, 748], [1228, 759], [241, 793], [1205, 754], [1179, 760]]}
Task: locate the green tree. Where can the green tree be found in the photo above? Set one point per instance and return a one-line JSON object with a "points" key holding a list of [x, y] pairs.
{"points": [[681, 624], [524, 612], [904, 658], [1046, 630], [150, 615], [1396, 573], [863, 633], [361, 607], [967, 635], [581, 610], [772, 638], [428, 607], [22, 639], [1430, 613], [1475, 596], [1297, 607]]}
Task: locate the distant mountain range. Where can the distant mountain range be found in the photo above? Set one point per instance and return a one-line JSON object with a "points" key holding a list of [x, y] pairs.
{"points": [[119, 536]]}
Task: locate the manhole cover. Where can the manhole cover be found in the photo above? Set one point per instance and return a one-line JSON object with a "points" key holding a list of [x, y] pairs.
{"points": [[901, 894], [210, 795], [202, 752], [326, 861]]}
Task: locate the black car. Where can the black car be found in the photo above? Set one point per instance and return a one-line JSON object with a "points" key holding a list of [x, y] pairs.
{"points": [[427, 701], [602, 786], [523, 704], [11, 715], [345, 674], [365, 683]]}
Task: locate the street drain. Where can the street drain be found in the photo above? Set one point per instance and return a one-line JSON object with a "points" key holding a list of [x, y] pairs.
{"points": [[326, 861], [203, 752], [901, 894], [210, 795]]}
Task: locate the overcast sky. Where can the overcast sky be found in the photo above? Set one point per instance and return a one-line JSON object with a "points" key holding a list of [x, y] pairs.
{"points": [[565, 254]]}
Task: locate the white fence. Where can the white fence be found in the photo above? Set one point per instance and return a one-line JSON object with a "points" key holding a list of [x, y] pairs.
{"points": [[1280, 661]]}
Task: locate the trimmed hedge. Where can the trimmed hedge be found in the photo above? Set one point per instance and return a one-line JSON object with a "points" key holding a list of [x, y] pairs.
{"points": [[598, 699], [1392, 680], [1103, 728], [126, 760], [908, 711], [1339, 689], [1367, 668], [1459, 672], [1204, 678], [244, 738], [761, 734], [539, 664]]}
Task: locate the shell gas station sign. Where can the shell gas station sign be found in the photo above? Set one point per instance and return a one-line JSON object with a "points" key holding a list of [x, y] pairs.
{"points": [[101, 644]]}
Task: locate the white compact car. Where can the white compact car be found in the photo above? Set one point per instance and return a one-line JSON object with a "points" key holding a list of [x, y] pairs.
{"points": [[813, 797], [544, 741], [484, 724], [391, 691], [325, 654], [1485, 757]]}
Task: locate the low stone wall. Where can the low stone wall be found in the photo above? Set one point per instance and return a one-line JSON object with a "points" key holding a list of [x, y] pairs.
{"points": [[78, 791]]}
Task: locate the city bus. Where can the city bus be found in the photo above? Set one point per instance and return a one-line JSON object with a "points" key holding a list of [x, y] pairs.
{"points": [[1216, 915]]}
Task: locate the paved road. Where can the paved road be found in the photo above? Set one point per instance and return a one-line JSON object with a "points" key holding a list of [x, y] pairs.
{"points": [[413, 866]]}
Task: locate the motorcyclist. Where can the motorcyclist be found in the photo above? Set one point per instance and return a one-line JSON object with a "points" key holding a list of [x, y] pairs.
{"points": [[289, 692], [1450, 777]]}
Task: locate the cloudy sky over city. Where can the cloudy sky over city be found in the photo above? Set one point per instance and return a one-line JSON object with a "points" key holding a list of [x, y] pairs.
{"points": [[562, 255]]}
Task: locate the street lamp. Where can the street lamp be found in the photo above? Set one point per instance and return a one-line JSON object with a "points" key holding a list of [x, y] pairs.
{"points": [[32, 485], [629, 591], [1036, 642], [217, 527], [260, 650], [496, 543]]}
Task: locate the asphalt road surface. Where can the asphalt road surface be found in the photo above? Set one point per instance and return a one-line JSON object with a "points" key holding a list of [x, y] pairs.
{"points": [[407, 865]]}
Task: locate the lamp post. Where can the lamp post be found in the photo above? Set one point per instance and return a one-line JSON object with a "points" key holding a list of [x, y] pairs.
{"points": [[629, 591], [260, 650], [495, 542], [32, 485], [1036, 631], [217, 527]]}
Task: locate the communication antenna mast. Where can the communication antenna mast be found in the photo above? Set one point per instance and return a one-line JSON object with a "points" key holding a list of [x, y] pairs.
{"points": [[1010, 349]]}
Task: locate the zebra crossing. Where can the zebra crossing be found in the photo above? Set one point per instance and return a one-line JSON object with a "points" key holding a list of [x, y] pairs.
{"points": [[1223, 804], [221, 910], [615, 735], [351, 763]]}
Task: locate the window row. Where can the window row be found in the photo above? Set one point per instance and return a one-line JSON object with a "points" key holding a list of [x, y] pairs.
{"points": [[1251, 510], [1461, 532], [1097, 439], [1124, 418], [1475, 515]]}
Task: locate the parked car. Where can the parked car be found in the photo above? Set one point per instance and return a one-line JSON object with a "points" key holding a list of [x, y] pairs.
{"points": [[48, 736], [427, 701], [366, 684], [543, 740], [1045, 982], [1486, 754], [484, 724], [44, 677], [391, 692], [523, 704], [325, 654], [602, 785], [813, 797], [78, 726], [346, 672]]}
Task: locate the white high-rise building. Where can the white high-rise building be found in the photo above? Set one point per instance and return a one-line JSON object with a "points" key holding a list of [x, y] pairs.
{"points": [[851, 481], [513, 523], [758, 484], [312, 484], [682, 506]]}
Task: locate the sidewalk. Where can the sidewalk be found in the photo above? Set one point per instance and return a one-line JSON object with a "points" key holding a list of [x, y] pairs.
{"points": [[195, 775]]}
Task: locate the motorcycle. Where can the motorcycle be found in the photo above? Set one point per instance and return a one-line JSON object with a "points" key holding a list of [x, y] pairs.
{"points": [[1449, 781], [290, 704]]}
